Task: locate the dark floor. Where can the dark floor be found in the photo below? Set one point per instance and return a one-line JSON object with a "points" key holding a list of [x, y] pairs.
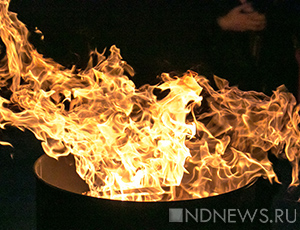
{"points": [[17, 180]]}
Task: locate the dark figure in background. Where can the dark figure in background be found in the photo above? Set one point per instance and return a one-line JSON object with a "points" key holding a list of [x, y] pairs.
{"points": [[252, 43], [248, 43]]}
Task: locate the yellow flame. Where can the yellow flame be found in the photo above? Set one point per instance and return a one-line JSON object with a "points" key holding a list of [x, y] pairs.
{"points": [[130, 144]]}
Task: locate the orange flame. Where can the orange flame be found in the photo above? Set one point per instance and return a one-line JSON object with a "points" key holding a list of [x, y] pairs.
{"points": [[130, 144]]}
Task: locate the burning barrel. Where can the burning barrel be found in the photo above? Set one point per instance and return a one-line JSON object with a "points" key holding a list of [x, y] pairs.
{"points": [[62, 205], [211, 143]]}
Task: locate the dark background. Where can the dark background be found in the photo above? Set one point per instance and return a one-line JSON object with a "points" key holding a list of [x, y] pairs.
{"points": [[154, 36]]}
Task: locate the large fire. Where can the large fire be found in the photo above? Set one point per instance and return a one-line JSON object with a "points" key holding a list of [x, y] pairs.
{"points": [[186, 141]]}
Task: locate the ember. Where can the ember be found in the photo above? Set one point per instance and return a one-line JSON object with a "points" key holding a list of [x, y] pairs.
{"points": [[125, 139]]}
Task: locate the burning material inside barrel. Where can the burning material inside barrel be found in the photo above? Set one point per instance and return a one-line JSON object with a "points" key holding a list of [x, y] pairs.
{"points": [[189, 136]]}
